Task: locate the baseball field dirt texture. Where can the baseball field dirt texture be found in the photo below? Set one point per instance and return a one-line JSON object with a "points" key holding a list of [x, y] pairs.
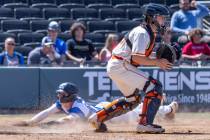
{"points": [[185, 126]]}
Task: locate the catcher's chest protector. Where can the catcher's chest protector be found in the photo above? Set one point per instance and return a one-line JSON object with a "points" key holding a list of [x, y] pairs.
{"points": [[152, 40]]}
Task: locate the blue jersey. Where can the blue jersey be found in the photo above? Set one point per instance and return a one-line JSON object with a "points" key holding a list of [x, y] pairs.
{"points": [[79, 108], [60, 45]]}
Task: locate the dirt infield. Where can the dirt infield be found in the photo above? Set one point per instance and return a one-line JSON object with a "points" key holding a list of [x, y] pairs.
{"points": [[186, 126]]}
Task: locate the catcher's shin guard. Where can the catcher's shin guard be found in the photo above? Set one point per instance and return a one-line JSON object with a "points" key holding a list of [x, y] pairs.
{"points": [[152, 101], [119, 106]]}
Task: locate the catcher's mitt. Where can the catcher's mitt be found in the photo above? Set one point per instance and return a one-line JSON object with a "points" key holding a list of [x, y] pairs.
{"points": [[171, 53]]}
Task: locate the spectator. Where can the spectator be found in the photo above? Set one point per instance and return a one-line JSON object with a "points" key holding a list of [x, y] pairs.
{"points": [[196, 49], [44, 55], [110, 44], [187, 17], [80, 47], [9, 57], [59, 45]]}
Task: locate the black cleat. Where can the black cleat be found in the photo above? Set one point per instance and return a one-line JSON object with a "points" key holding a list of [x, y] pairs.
{"points": [[102, 128]]}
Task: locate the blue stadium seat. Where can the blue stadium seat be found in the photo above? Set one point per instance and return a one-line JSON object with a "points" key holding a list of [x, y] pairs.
{"points": [[84, 13], [15, 5], [27, 12], [17, 31], [70, 6], [70, 1], [85, 20], [5, 35], [116, 19], [58, 19], [100, 25], [45, 32], [28, 19], [6, 12], [64, 36], [87, 2], [31, 45], [111, 13], [39, 25], [134, 13], [115, 2], [126, 25], [14, 24], [30, 37], [170, 2], [66, 24], [99, 6], [55, 12], [43, 1], [44, 5], [2, 2], [126, 6], [95, 37]]}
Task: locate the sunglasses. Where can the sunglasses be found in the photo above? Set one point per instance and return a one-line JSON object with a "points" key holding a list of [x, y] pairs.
{"points": [[11, 44]]}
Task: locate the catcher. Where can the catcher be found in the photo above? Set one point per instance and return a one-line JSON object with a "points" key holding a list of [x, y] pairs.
{"points": [[133, 51], [77, 109]]}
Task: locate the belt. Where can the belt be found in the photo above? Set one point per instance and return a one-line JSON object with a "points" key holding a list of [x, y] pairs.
{"points": [[117, 57]]}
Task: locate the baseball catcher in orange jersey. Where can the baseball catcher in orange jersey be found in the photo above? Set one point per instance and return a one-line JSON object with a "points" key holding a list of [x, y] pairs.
{"points": [[133, 51]]}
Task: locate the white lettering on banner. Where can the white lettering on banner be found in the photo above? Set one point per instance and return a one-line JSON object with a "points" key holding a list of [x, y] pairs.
{"points": [[103, 81], [171, 80], [90, 76], [191, 81], [204, 79]]}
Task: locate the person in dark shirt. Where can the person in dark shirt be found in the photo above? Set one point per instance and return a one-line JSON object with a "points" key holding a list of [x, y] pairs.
{"points": [[78, 46]]}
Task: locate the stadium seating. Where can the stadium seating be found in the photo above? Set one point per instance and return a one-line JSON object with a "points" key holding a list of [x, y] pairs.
{"points": [[69, 1], [111, 13], [134, 13], [65, 36], [43, 5], [4, 35], [6, 12], [127, 6], [55, 12], [39, 25], [115, 2], [26, 12], [99, 6], [86, 2], [2, 2], [15, 5], [84, 13], [43, 1], [29, 37], [14, 24], [100, 25], [66, 24], [126, 25], [70, 6]]}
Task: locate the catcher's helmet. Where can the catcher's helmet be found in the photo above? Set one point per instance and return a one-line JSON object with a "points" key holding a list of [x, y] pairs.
{"points": [[67, 92], [151, 10]]}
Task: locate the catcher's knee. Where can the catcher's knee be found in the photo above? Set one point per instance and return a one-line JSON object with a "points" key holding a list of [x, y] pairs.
{"points": [[118, 107]]}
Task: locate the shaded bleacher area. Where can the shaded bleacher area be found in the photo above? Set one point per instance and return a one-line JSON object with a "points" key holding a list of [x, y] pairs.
{"points": [[27, 20]]}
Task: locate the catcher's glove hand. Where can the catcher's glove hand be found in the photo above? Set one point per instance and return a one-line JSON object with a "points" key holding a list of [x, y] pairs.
{"points": [[171, 53]]}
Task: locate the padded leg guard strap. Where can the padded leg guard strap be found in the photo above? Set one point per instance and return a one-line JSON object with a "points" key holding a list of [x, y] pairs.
{"points": [[151, 103], [117, 107]]}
